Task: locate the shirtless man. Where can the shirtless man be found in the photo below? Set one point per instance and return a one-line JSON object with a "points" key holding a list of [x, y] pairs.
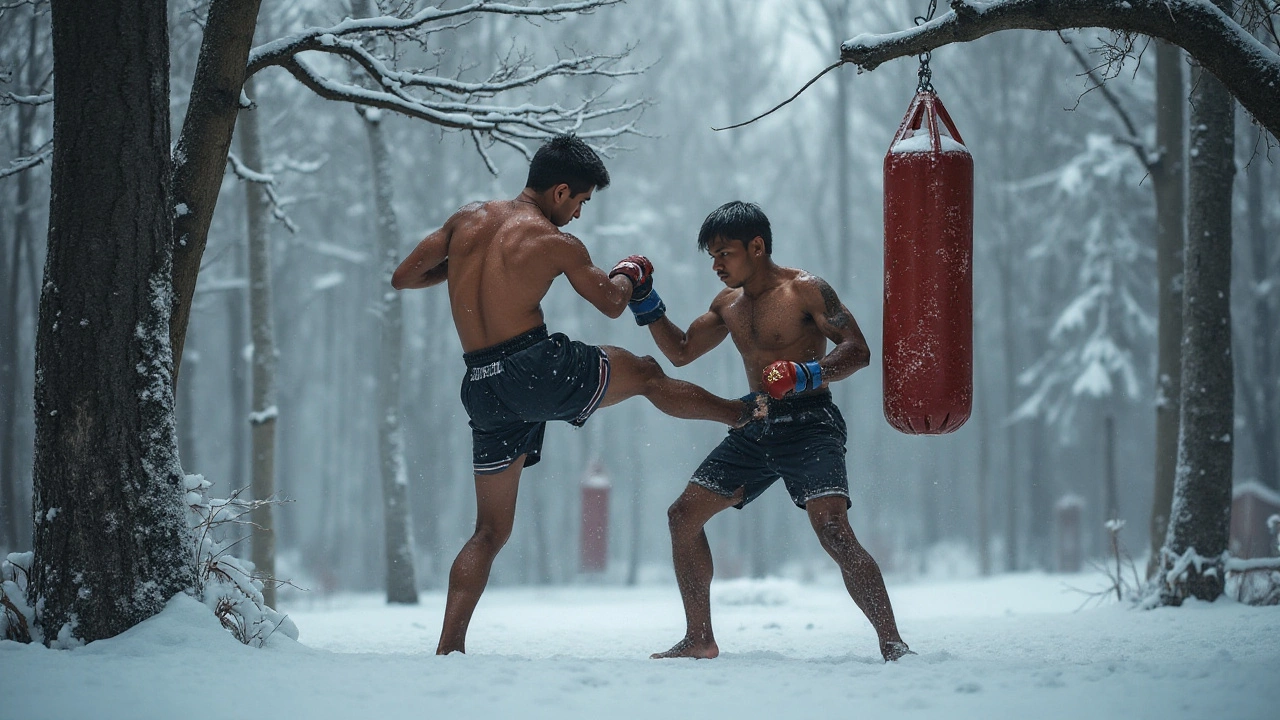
{"points": [[780, 320], [499, 259]]}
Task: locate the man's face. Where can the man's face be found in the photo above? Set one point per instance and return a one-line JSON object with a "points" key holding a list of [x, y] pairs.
{"points": [[566, 206], [732, 260]]}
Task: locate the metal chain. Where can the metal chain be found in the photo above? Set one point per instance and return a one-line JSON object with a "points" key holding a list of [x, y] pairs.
{"points": [[925, 74]]}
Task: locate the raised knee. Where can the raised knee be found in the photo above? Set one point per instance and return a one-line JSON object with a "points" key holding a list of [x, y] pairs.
{"points": [[650, 370]]}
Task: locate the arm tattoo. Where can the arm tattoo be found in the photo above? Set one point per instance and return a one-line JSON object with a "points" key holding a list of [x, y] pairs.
{"points": [[833, 311]]}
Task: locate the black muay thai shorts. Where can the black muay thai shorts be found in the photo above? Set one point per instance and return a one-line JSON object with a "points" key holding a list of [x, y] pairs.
{"points": [[512, 389]]}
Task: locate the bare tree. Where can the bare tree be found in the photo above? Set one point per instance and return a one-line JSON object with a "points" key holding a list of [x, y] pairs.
{"points": [[226, 60], [1192, 559], [265, 410]]}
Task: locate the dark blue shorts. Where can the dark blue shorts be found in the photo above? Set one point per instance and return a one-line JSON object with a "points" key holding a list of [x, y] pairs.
{"points": [[512, 389], [802, 441]]}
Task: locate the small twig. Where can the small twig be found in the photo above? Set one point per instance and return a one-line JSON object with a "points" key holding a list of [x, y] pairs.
{"points": [[812, 80]]}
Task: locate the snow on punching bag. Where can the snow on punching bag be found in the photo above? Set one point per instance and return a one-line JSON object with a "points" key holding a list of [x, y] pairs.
{"points": [[928, 273]]}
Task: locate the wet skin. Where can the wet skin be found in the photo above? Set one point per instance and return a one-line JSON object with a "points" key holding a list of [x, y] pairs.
{"points": [[499, 259], [772, 313]]}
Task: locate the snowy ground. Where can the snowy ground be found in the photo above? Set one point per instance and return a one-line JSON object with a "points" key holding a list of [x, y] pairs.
{"points": [[1007, 647]]}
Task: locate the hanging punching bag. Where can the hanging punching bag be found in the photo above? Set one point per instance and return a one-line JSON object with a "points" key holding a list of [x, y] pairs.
{"points": [[928, 273]]}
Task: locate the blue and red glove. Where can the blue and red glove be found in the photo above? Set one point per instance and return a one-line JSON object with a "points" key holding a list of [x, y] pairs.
{"points": [[784, 376], [645, 303]]}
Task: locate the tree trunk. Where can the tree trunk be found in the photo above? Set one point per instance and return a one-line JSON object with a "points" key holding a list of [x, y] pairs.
{"points": [[1262, 391], [983, 489], [112, 545], [1201, 510], [10, 512], [1168, 177], [201, 154], [13, 516], [264, 411], [1110, 486], [237, 377], [401, 582]]}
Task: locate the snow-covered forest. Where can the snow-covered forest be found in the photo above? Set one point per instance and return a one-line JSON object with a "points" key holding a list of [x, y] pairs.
{"points": [[285, 371]]}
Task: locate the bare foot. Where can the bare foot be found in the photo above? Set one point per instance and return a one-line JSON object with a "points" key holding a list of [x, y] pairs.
{"points": [[689, 648], [752, 410], [895, 649]]}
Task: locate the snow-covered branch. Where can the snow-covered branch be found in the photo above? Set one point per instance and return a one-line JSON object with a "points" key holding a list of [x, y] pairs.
{"points": [[452, 102], [1249, 69], [316, 38], [28, 162], [268, 183], [11, 99]]}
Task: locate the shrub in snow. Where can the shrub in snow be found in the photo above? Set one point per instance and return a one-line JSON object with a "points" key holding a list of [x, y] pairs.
{"points": [[230, 586], [17, 620]]}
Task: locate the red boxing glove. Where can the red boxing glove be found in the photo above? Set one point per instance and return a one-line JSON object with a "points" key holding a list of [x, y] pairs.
{"points": [[780, 378], [637, 268]]}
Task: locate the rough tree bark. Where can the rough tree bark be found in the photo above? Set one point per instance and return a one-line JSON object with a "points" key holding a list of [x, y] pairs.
{"points": [[1168, 177], [264, 411], [110, 545], [1247, 69], [1199, 519], [201, 154]]}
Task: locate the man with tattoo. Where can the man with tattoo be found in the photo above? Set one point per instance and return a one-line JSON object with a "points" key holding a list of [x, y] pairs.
{"points": [[780, 319]]}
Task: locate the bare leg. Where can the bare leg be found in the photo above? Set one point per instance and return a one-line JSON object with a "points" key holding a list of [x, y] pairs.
{"points": [[692, 556], [830, 519], [632, 375], [495, 513]]}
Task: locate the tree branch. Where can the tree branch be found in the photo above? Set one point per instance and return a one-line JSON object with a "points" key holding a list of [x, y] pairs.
{"points": [[1250, 70], [276, 52], [28, 162], [527, 122], [11, 99], [1139, 148]]}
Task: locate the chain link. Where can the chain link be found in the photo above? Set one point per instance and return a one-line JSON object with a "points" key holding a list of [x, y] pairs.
{"points": [[925, 74]]}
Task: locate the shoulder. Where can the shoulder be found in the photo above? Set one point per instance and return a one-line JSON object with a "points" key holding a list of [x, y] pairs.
{"points": [[811, 286], [471, 212], [724, 299]]}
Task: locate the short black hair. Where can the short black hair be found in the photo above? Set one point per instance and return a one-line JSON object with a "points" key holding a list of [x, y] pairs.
{"points": [[566, 159], [737, 220]]}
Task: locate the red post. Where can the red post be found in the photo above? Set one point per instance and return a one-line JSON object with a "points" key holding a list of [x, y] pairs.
{"points": [[595, 519]]}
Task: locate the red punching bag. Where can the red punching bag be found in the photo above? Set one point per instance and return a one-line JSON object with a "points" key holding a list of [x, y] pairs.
{"points": [[928, 273]]}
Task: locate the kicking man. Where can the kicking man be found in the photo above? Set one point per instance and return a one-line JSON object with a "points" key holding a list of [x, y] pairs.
{"points": [[499, 259], [780, 320]]}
